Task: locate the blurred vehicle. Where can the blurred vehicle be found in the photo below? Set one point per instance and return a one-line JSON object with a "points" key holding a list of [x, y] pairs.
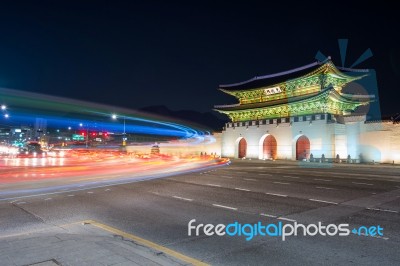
{"points": [[31, 149]]}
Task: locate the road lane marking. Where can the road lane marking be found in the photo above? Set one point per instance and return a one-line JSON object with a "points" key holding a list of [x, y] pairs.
{"points": [[382, 210], [281, 183], [286, 219], [90, 192], [249, 179], [358, 183], [242, 189], [325, 188], [48, 199], [62, 192], [278, 195], [225, 176], [324, 201], [213, 185], [70, 195], [268, 215], [225, 207], [182, 198], [21, 202], [265, 174], [290, 176], [319, 179], [107, 189], [354, 174], [147, 243]]}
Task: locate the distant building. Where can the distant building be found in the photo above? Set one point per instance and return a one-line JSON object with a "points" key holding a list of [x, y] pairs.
{"points": [[5, 135], [16, 136], [303, 114]]}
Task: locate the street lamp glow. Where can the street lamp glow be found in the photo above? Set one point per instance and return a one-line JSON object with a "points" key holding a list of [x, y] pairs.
{"points": [[114, 117], [3, 107], [80, 124], [6, 116]]}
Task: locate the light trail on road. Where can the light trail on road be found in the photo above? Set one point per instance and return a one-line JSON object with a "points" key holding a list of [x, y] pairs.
{"points": [[62, 164], [96, 169]]}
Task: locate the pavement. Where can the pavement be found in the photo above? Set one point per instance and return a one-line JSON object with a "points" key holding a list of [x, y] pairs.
{"points": [[308, 164], [155, 214], [84, 243]]}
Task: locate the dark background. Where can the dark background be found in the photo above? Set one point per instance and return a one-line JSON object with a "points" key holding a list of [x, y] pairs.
{"points": [[141, 53]]}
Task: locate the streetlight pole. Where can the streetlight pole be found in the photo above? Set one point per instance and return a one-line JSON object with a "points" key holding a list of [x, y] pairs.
{"points": [[114, 116], [6, 116], [124, 125], [124, 135], [87, 134]]}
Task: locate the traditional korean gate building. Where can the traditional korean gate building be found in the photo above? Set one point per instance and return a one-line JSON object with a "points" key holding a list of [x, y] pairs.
{"points": [[304, 114]]}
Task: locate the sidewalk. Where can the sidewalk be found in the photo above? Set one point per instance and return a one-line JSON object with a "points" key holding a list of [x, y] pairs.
{"points": [[317, 164], [83, 244]]}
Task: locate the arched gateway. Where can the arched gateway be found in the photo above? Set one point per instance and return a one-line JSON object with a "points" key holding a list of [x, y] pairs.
{"points": [[242, 148], [269, 148], [302, 148]]}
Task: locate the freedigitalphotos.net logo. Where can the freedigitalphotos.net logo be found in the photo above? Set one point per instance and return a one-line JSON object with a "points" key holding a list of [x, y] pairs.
{"points": [[249, 231]]}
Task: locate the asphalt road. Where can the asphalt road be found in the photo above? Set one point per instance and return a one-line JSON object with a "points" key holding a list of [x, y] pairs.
{"points": [[247, 192]]}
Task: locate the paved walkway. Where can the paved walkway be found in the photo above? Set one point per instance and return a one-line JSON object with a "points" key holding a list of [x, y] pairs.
{"points": [[317, 164], [83, 243]]}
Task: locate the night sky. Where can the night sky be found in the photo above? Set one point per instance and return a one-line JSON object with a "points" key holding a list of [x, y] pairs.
{"points": [[141, 53]]}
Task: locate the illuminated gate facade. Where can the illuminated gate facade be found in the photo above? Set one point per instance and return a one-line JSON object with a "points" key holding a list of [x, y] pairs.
{"points": [[307, 101]]}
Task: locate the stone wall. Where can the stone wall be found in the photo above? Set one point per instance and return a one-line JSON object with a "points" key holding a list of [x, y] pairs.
{"points": [[343, 137]]}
